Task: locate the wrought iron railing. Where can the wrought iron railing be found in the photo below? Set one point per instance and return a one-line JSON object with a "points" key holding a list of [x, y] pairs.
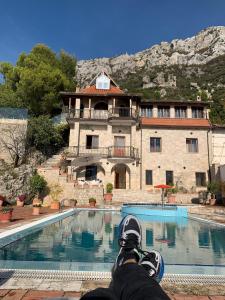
{"points": [[110, 152], [123, 112], [86, 113]]}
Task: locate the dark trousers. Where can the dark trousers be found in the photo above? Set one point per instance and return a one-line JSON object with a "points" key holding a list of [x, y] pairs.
{"points": [[132, 282]]}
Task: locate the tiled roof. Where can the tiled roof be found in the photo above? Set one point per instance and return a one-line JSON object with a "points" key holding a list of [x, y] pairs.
{"points": [[173, 122], [92, 90]]}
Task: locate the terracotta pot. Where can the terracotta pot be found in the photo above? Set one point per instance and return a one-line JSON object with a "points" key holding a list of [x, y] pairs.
{"points": [[171, 199], [108, 197], [36, 201], [19, 203], [1, 202], [212, 201], [5, 218], [92, 204], [36, 211], [55, 205]]}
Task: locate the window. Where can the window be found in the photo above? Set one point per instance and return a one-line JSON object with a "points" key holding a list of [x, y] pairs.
{"points": [[197, 112], [91, 173], [146, 112], [200, 179], [155, 144], [92, 142], [163, 111], [169, 177], [148, 177], [192, 145], [102, 82], [180, 112]]}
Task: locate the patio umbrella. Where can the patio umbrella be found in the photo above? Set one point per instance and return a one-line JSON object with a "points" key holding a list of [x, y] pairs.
{"points": [[163, 187]]}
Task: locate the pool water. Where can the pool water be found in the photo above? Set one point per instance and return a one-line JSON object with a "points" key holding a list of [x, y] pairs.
{"points": [[90, 237]]}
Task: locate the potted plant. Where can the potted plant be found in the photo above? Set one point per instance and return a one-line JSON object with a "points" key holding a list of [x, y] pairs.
{"points": [[92, 202], [37, 185], [20, 200], [171, 197], [108, 196], [6, 214], [2, 199], [55, 191], [36, 209], [213, 188]]}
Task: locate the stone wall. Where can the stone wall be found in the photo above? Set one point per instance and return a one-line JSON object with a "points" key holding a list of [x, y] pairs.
{"points": [[7, 126], [174, 156]]}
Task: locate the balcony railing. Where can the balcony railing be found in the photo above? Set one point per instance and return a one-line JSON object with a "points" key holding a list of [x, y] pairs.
{"points": [[104, 152], [86, 113], [123, 112]]}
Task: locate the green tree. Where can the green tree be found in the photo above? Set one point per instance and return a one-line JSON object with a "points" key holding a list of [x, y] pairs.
{"points": [[43, 135], [36, 80]]}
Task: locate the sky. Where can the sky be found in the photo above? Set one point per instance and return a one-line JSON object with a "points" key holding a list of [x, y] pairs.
{"points": [[101, 28]]}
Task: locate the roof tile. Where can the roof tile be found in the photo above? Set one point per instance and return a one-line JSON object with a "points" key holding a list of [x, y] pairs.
{"points": [[173, 122], [92, 90]]}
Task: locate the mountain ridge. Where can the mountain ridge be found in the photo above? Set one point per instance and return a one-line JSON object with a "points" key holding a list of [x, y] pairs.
{"points": [[195, 51]]}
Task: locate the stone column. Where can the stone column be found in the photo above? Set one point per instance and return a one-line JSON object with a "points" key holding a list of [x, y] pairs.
{"points": [[172, 112], [154, 111], [189, 112]]}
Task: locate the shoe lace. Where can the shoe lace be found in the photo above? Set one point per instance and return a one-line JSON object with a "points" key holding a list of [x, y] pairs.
{"points": [[128, 243]]}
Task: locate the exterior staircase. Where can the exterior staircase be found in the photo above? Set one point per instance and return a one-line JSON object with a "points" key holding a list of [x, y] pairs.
{"points": [[133, 196]]}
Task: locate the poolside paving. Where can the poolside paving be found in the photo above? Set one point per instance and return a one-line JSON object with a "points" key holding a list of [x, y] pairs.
{"points": [[74, 295], [23, 215]]}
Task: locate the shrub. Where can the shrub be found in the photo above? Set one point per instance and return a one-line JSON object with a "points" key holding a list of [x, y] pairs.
{"points": [[55, 191], [37, 184], [6, 210], [109, 188], [22, 197], [92, 199]]}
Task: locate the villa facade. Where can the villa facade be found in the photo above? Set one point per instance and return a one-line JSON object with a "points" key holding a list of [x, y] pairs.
{"points": [[134, 143]]}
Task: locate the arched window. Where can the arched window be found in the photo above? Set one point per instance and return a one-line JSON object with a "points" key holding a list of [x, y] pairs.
{"points": [[102, 82], [101, 106]]}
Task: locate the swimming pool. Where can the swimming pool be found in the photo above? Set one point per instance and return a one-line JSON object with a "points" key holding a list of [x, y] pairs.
{"points": [[87, 240]]}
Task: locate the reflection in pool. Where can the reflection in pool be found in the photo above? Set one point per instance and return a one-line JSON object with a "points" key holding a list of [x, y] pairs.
{"points": [[91, 236]]}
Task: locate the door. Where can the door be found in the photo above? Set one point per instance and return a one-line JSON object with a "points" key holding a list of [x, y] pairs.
{"points": [[119, 146], [120, 177]]}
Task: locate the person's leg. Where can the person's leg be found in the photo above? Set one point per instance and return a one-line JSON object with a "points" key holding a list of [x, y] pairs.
{"points": [[131, 281]]}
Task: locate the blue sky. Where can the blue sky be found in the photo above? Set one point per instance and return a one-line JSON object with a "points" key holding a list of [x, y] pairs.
{"points": [[101, 28]]}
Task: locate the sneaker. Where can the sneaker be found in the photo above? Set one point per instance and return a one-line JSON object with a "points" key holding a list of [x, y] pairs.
{"points": [[129, 240], [153, 263]]}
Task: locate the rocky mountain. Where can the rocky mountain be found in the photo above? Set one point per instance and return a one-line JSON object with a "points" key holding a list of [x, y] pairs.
{"points": [[179, 69]]}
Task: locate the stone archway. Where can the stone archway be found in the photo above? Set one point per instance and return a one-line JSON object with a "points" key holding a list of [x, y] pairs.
{"points": [[121, 174], [101, 106]]}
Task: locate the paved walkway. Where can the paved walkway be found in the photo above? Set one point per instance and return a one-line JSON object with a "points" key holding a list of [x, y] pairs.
{"points": [[38, 295]]}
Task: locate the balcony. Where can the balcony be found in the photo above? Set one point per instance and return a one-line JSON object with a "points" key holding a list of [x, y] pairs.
{"points": [[128, 152], [116, 113]]}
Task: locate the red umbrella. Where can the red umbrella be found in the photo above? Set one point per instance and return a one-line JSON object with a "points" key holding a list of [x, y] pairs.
{"points": [[163, 186]]}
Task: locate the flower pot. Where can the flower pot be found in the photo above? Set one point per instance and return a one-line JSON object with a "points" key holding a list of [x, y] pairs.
{"points": [[19, 203], [36, 201], [55, 205], [212, 201], [6, 217], [171, 199], [36, 211], [108, 197]]}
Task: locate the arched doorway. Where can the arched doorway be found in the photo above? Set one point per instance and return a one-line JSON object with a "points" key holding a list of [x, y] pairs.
{"points": [[121, 176], [100, 110], [101, 106]]}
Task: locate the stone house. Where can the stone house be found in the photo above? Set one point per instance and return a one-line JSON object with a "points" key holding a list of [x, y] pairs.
{"points": [[135, 143]]}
